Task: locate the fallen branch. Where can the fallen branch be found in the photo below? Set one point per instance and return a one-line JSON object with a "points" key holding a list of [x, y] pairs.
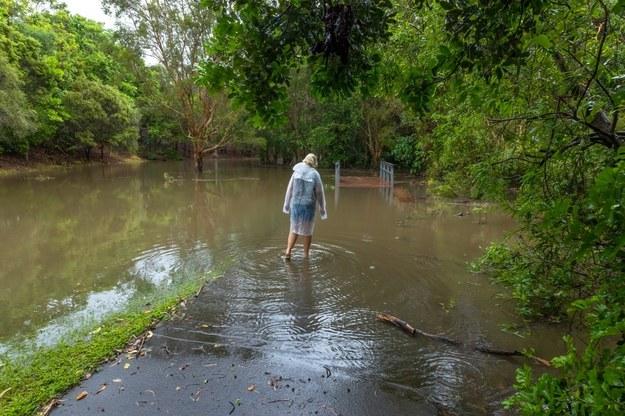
{"points": [[514, 353], [412, 330], [405, 326]]}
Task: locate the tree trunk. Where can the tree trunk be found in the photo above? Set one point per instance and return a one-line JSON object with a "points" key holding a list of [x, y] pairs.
{"points": [[199, 162], [372, 144], [102, 152]]}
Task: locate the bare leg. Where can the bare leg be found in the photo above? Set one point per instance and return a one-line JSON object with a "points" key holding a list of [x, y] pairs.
{"points": [[290, 243], [307, 241]]}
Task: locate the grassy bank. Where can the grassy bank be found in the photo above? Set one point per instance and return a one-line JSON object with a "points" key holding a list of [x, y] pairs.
{"points": [[32, 380], [46, 164]]}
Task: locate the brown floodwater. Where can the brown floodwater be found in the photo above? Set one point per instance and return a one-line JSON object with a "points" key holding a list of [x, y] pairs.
{"points": [[90, 241]]}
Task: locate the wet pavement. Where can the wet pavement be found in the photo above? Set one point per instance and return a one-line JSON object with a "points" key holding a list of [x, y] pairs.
{"points": [[213, 360]]}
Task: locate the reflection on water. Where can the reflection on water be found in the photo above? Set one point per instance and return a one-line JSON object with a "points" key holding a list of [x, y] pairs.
{"points": [[96, 306], [102, 229], [93, 240]]}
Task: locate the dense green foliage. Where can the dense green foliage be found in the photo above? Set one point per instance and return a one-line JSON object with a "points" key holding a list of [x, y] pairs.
{"points": [[46, 57], [519, 102], [356, 130], [16, 121], [256, 45], [67, 85], [98, 115]]}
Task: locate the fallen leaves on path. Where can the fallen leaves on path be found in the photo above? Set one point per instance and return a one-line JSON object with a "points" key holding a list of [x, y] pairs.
{"points": [[82, 395], [135, 348], [196, 396], [330, 409]]}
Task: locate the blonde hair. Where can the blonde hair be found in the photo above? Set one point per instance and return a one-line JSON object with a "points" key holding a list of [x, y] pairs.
{"points": [[310, 160]]}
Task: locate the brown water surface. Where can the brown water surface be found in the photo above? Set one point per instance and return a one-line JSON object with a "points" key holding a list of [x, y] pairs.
{"points": [[95, 240]]}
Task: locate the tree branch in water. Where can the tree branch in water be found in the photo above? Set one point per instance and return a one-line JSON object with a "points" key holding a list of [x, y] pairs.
{"points": [[406, 327]]}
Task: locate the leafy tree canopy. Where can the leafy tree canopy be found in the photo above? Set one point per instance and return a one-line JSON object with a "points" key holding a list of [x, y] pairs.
{"points": [[99, 115], [256, 44]]}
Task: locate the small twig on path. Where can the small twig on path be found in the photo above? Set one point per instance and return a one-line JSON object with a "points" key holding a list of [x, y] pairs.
{"points": [[233, 408], [196, 396], [46, 410], [330, 409], [198, 291], [141, 345]]}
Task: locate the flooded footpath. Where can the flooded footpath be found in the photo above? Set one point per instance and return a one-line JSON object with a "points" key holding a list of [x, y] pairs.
{"points": [[269, 336]]}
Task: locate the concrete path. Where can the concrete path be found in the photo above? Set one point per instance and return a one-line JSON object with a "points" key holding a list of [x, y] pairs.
{"points": [[217, 358]]}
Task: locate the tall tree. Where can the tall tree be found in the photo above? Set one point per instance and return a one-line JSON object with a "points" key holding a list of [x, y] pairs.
{"points": [[17, 120], [174, 34], [100, 116]]}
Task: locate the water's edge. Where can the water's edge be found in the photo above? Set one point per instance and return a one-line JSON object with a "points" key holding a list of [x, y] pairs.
{"points": [[35, 377]]}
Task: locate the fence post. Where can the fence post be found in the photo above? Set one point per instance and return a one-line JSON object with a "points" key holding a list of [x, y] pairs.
{"points": [[337, 181]]}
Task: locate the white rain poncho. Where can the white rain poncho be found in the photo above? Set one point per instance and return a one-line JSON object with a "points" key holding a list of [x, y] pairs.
{"points": [[304, 192]]}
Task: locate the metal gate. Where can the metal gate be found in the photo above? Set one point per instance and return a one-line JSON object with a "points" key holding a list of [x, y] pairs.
{"points": [[387, 179], [387, 173]]}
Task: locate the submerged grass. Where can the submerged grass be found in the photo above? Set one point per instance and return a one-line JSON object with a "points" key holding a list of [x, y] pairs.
{"points": [[38, 169], [10, 167], [32, 380]]}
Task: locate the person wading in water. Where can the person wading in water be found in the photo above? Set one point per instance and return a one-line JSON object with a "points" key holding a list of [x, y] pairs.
{"points": [[303, 194]]}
